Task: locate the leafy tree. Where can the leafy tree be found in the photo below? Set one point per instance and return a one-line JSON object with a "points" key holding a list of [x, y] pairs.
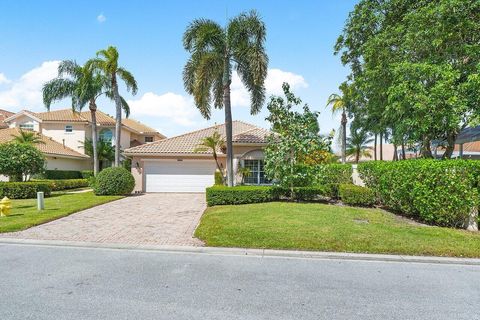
{"points": [[106, 63], [414, 65], [358, 145], [215, 53], [19, 161], [28, 137], [213, 143], [295, 136], [105, 150]]}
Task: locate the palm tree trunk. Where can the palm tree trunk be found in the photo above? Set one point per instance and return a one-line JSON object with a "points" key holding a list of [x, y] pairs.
{"points": [[357, 155], [118, 120], [375, 148], [381, 145], [344, 137], [228, 132], [218, 166], [93, 111]]}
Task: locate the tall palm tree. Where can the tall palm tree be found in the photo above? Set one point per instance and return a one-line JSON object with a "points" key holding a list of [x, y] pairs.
{"points": [[84, 86], [337, 104], [358, 145], [28, 137], [213, 143], [215, 53], [106, 63]]}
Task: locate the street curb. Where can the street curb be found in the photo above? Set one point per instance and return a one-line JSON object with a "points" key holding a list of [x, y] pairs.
{"points": [[262, 253]]}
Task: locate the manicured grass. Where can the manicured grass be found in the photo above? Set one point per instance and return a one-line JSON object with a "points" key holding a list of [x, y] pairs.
{"points": [[25, 215], [321, 227]]}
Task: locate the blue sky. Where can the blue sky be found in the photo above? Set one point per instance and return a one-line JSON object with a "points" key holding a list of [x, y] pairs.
{"points": [[35, 35]]}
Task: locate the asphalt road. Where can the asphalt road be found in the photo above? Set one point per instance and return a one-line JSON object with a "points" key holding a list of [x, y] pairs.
{"points": [[39, 282]]}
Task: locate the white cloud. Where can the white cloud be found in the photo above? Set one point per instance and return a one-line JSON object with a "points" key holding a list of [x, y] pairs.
{"points": [[171, 106], [101, 18], [3, 79], [26, 92], [273, 85]]}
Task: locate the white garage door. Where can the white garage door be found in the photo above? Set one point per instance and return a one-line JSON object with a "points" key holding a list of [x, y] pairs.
{"points": [[179, 176]]}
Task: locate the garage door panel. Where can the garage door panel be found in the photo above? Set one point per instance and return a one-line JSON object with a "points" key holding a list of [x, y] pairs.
{"points": [[179, 176]]}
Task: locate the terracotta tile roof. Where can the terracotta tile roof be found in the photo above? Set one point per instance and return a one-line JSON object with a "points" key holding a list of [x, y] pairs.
{"points": [[3, 115], [103, 119], [188, 142], [140, 127], [51, 147], [66, 115]]}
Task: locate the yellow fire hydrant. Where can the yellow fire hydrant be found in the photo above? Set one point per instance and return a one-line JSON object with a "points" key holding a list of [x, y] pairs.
{"points": [[5, 207]]}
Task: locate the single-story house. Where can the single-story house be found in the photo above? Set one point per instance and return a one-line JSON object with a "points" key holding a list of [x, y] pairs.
{"points": [[172, 165]]}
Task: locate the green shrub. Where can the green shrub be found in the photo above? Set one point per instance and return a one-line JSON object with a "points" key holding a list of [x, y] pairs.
{"points": [[57, 185], [356, 196], [222, 195], [334, 173], [303, 193], [436, 192], [62, 174], [86, 174], [24, 190], [19, 160], [218, 178], [114, 181]]}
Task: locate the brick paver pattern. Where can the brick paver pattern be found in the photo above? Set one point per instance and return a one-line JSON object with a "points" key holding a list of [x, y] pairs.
{"points": [[155, 218]]}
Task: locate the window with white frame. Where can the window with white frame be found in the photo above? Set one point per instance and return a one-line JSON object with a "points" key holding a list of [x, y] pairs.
{"points": [[26, 126], [148, 139], [68, 128], [257, 172]]}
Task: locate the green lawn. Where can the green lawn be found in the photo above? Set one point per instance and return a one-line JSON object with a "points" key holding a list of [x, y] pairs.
{"points": [[25, 215], [321, 227]]}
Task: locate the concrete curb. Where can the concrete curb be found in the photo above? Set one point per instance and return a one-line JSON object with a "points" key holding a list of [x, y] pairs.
{"points": [[262, 253]]}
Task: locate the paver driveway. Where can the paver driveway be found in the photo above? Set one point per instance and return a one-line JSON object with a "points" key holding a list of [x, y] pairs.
{"points": [[156, 218]]}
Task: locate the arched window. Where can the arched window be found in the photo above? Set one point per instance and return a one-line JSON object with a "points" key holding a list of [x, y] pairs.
{"points": [[106, 135]]}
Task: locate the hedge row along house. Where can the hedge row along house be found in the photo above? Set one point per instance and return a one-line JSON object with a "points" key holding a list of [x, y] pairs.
{"points": [[64, 133]]}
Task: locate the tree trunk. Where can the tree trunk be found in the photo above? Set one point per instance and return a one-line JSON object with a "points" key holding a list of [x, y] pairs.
{"points": [[404, 156], [375, 148], [228, 132], [118, 120], [426, 150], [357, 156], [381, 145], [395, 153], [93, 111], [344, 137], [218, 166], [451, 137]]}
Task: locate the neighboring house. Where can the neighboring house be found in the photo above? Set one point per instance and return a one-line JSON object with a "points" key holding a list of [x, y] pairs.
{"points": [[172, 165], [71, 129], [58, 156], [3, 115]]}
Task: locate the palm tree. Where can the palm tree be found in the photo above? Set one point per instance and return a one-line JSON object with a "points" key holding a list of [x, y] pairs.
{"points": [[105, 150], [357, 145], [214, 143], [337, 104], [28, 137], [106, 63], [215, 53], [84, 86]]}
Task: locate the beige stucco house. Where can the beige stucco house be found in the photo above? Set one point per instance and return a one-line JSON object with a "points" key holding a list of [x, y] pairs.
{"points": [[172, 165], [67, 130]]}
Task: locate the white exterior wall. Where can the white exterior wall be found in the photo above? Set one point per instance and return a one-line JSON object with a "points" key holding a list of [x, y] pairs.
{"points": [[25, 120], [55, 163], [125, 140], [73, 140]]}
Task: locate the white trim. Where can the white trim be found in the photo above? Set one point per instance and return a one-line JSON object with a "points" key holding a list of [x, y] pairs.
{"points": [[22, 113], [188, 155]]}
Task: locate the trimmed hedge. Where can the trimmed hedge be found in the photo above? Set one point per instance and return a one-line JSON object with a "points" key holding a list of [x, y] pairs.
{"points": [[436, 192], [356, 195], [334, 173], [24, 190], [87, 174], [61, 174], [222, 195], [57, 185], [113, 181]]}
